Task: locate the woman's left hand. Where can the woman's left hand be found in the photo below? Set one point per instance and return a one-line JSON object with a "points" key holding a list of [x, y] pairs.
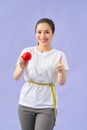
{"points": [[61, 72], [60, 67]]}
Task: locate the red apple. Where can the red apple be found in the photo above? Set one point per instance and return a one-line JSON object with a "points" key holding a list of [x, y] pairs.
{"points": [[27, 56]]}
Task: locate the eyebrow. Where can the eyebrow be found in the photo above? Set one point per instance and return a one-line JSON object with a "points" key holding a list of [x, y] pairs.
{"points": [[43, 30]]}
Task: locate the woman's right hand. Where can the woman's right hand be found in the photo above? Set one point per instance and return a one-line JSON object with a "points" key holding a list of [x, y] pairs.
{"points": [[22, 63]]}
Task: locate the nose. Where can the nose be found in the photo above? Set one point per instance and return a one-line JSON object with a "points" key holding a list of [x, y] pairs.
{"points": [[43, 34]]}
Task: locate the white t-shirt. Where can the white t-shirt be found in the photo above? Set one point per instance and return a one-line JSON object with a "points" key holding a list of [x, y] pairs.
{"points": [[42, 69]]}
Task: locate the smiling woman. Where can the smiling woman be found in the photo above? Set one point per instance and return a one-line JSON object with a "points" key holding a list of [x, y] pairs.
{"points": [[46, 67], [44, 31]]}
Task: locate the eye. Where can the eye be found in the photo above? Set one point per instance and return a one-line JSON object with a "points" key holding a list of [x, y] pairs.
{"points": [[47, 32], [39, 32]]}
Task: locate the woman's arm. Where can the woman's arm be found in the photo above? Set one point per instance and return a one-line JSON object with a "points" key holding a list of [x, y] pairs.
{"points": [[62, 77], [19, 68]]}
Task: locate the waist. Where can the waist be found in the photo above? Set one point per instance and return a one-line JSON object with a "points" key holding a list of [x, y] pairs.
{"points": [[42, 84]]}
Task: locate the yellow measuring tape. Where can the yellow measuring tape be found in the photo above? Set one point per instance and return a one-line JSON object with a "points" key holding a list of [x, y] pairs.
{"points": [[53, 90]]}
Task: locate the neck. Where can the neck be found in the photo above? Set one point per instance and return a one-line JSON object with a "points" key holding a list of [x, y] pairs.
{"points": [[44, 48]]}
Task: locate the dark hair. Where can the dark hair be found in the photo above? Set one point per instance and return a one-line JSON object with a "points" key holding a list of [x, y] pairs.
{"points": [[46, 20]]}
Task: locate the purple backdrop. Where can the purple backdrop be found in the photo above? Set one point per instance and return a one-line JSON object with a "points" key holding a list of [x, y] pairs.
{"points": [[17, 22]]}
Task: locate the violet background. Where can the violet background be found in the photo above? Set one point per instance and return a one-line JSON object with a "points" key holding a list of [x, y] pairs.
{"points": [[17, 23]]}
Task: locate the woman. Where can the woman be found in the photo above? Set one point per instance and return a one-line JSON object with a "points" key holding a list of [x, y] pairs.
{"points": [[37, 103]]}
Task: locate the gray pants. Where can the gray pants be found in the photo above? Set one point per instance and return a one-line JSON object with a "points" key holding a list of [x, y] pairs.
{"points": [[36, 119]]}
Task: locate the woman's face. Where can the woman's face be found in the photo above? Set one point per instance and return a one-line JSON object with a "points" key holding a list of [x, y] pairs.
{"points": [[44, 34]]}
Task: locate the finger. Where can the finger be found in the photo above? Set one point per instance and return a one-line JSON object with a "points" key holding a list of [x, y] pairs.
{"points": [[60, 59]]}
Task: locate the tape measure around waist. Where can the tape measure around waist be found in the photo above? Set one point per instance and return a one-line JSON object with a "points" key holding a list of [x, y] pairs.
{"points": [[53, 90]]}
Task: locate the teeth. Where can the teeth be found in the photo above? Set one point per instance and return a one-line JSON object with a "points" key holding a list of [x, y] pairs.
{"points": [[43, 40]]}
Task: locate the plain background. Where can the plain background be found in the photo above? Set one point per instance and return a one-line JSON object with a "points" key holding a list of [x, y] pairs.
{"points": [[17, 31]]}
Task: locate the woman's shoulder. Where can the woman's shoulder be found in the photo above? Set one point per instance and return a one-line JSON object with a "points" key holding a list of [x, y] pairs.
{"points": [[57, 51], [30, 49]]}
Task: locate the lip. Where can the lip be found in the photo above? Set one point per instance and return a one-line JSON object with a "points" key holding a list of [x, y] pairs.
{"points": [[43, 40]]}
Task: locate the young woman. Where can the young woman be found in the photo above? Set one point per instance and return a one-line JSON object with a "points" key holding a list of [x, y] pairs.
{"points": [[48, 66]]}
